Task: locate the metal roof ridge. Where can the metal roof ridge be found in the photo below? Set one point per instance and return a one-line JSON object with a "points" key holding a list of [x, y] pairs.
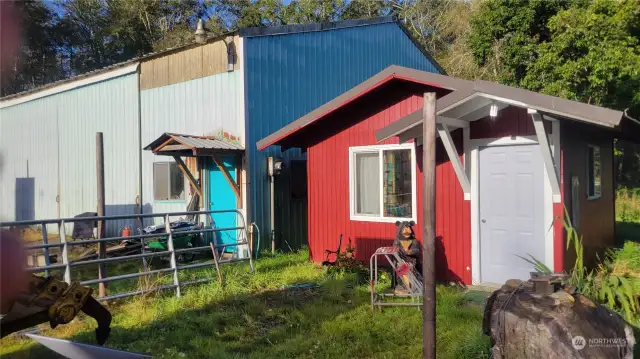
{"points": [[258, 31]]}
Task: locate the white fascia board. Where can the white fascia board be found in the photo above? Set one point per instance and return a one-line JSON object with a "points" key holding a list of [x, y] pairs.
{"points": [[71, 85]]}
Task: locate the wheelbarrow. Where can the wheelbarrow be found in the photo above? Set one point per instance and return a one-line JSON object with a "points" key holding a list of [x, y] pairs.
{"points": [[183, 237]]}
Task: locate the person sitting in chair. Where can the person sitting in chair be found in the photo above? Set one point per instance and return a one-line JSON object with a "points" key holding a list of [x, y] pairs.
{"points": [[409, 248]]}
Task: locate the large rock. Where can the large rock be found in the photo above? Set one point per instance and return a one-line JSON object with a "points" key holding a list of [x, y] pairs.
{"points": [[559, 325]]}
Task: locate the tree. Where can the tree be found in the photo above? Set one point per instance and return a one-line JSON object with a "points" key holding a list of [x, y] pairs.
{"points": [[510, 32], [593, 55], [33, 60]]}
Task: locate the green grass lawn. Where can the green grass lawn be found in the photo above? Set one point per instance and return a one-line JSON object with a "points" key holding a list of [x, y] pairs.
{"points": [[252, 316]]}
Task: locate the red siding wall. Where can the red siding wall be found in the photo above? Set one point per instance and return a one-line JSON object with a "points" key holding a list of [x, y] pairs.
{"points": [[328, 183], [511, 121]]}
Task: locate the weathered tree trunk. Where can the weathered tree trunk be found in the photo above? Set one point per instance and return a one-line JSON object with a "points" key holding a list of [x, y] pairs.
{"points": [[523, 324]]}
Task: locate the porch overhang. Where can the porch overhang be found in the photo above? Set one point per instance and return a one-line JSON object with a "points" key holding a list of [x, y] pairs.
{"points": [[180, 145], [484, 99], [475, 101], [174, 144]]}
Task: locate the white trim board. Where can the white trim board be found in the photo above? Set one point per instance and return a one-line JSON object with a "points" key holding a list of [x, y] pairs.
{"points": [[474, 150], [414, 194], [71, 85]]}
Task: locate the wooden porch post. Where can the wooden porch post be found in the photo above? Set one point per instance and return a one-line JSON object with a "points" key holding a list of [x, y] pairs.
{"points": [[102, 269], [429, 221]]}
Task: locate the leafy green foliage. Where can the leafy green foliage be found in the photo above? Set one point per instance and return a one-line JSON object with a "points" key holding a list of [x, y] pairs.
{"points": [[611, 283], [628, 205], [538, 266], [593, 55], [511, 30], [617, 290]]}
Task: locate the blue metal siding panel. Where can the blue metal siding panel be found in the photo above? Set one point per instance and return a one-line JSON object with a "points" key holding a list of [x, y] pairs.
{"points": [[289, 75]]}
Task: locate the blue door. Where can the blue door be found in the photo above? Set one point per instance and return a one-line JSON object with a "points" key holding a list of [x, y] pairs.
{"points": [[222, 197]]}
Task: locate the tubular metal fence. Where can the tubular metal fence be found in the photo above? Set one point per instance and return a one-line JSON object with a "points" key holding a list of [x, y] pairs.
{"points": [[244, 235]]}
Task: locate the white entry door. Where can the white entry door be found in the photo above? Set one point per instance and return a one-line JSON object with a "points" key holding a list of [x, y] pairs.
{"points": [[511, 211]]}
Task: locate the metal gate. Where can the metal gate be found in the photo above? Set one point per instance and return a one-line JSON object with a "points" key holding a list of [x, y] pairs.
{"points": [[244, 239]]}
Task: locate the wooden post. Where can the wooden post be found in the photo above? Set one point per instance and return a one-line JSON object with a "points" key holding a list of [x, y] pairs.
{"points": [[429, 223], [102, 270]]}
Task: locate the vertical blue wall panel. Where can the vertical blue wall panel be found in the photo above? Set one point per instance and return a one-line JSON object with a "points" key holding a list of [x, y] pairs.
{"points": [[291, 74]]}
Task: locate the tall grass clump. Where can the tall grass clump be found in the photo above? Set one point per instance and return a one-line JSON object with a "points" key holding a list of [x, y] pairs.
{"points": [[628, 205]]}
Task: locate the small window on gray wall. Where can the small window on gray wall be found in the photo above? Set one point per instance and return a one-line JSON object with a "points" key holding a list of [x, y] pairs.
{"points": [[168, 182], [594, 168]]}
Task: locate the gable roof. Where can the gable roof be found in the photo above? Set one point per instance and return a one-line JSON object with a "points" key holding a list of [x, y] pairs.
{"points": [[461, 92], [550, 105], [390, 73], [102, 73]]}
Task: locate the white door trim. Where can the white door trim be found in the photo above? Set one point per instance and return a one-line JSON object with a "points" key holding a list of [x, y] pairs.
{"points": [[474, 152]]}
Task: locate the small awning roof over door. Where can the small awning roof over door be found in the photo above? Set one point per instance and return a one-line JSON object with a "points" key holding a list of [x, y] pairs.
{"points": [[174, 144]]}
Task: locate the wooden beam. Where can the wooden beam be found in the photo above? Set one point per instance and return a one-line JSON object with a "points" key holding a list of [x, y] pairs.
{"points": [[429, 230], [547, 157], [227, 175], [187, 173], [416, 131], [102, 247], [483, 111], [454, 122], [450, 147], [467, 107]]}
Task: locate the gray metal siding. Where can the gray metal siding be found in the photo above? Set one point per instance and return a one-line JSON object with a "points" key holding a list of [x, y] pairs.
{"points": [[290, 75], [197, 107], [56, 134]]}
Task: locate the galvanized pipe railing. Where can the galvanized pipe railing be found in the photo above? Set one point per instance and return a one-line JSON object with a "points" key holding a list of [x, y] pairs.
{"points": [[172, 252]]}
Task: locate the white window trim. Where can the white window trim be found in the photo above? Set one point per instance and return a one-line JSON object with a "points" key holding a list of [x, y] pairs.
{"points": [[352, 196], [589, 175]]}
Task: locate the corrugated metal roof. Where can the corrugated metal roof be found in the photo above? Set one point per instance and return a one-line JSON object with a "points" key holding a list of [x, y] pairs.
{"points": [[118, 65], [167, 142], [206, 142]]}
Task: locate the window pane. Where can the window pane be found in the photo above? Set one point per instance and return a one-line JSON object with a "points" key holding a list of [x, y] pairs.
{"points": [[177, 182], [590, 182], [367, 184], [596, 172], [397, 187], [160, 181]]}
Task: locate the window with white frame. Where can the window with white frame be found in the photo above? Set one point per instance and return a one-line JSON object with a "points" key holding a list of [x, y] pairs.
{"points": [[594, 168], [168, 182], [382, 183]]}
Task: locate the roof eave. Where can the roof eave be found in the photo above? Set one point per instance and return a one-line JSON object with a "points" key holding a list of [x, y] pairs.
{"points": [[390, 73]]}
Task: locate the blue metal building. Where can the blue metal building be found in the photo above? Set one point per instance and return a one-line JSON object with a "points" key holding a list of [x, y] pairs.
{"points": [[291, 70]]}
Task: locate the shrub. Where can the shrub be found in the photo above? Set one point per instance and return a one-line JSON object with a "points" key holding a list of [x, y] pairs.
{"points": [[614, 282]]}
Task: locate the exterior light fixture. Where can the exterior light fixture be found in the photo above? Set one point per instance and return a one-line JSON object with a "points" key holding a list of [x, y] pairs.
{"points": [[493, 110]]}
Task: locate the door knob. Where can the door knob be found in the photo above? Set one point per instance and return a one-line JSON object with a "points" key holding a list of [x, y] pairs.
{"points": [[484, 220]]}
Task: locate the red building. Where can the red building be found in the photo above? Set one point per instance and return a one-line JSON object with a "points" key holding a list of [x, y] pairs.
{"points": [[508, 160]]}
